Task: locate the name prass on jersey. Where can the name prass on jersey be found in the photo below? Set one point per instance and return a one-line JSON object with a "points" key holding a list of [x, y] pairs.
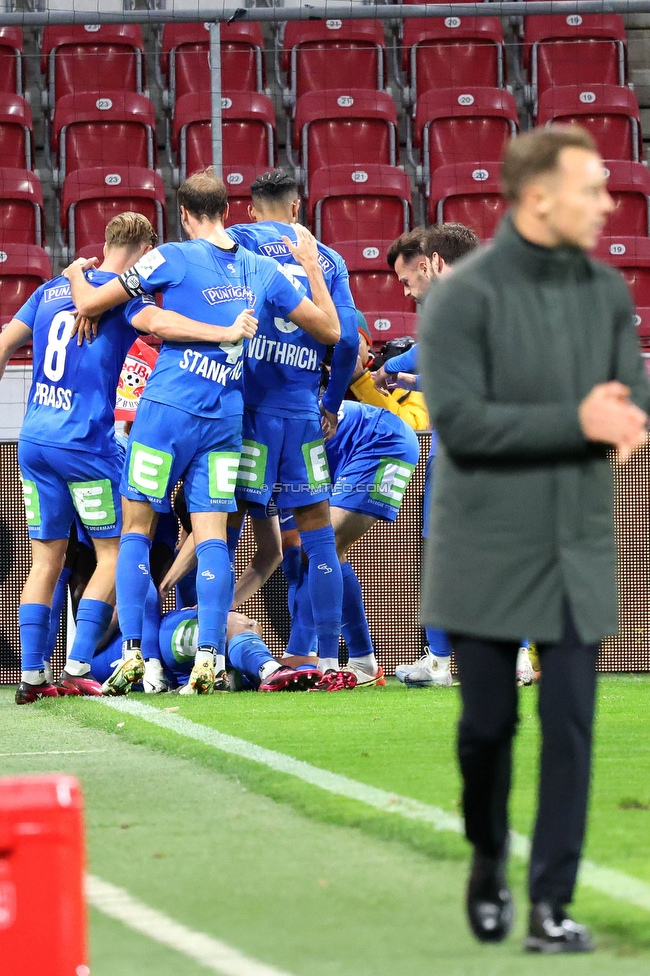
{"points": [[52, 396]]}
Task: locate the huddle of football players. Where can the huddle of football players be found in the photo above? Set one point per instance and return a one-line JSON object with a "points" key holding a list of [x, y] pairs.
{"points": [[252, 319]]}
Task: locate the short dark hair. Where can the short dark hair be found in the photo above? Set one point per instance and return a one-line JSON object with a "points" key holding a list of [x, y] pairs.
{"points": [[536, 152], [407, 246], [273, 187], [204, 195], [451, 241]]}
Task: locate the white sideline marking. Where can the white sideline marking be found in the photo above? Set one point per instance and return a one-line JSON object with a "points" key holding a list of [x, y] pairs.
{"points": [[202, 948], [53, 752], [608, 881]]}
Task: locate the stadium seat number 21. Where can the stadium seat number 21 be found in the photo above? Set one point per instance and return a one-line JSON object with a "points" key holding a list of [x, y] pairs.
{"points": [[57, 340]]}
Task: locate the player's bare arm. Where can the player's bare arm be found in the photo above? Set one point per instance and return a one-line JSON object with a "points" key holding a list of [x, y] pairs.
{"points": [[317, 317], [92, 302], [175, 327], [15, 335]]}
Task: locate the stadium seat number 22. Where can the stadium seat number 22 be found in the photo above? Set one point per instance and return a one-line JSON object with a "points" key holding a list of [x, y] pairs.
{"points": [[57, 340]]}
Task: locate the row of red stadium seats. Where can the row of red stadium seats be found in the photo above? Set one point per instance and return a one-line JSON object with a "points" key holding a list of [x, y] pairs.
{"points": [[436, 52]]}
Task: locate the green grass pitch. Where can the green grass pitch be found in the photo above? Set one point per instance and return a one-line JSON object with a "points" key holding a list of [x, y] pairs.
{"points": [[312, 883]]}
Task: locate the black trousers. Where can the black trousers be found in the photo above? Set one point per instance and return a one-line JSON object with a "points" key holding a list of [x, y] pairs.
{"points": [[487, 671]]}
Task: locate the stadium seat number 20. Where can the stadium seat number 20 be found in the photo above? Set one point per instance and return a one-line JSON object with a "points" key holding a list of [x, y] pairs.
{"points": [[57, 340]]}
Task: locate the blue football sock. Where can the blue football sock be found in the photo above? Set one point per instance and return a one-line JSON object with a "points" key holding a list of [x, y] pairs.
{"points": [[248, 653], [325, 588], [302, 639], [355, 625], [132, 583], [34, 623], [58, 601], [291, 563], [151, 626], [93, 617], [438, 642], [213, 589]]}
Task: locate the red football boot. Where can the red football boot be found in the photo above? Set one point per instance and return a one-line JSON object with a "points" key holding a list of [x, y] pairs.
{"points": [[73, 684], [26, 693], [336, 681], [286, 679]]}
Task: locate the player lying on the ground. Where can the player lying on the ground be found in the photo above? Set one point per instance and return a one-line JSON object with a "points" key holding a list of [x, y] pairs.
{"points": [[175, 435], [172, 640], [69, 462]]}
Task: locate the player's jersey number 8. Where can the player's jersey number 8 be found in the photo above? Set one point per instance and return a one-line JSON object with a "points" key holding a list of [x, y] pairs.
{"points": [[58, 338]]}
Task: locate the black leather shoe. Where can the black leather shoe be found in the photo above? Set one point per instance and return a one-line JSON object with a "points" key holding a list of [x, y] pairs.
{"points": [[489, 901], [551, 930]]}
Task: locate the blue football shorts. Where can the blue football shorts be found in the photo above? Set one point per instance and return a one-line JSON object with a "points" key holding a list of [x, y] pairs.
{"points": [[282, 458], [167, 444], [60, 484], [372, 480]]}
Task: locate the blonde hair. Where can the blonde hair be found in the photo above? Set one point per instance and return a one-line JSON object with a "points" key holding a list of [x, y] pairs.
{"points": [[130, 230]]}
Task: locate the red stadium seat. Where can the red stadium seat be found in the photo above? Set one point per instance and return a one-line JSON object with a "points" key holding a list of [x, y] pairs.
{"points": [[22, 220], [631, 255], [372, 202], [468, 193], [574, 49], [336, 127], [90, 57], [610, 113], [373, 284], [238, 181], [384, 326], [92, 197], [345, 54], [11, 60], [248, 126], [15, 132], [452, 52], [184, 58], [629, 186], [23, 267], [642, 323], [453, 126], [103, 131]]}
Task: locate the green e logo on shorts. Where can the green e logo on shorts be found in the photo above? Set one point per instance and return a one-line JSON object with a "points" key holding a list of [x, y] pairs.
{"points": [[32, 503], [318, 471], [93, 501], [149, 470], [222, 471], [252, 464], [391, 480]]}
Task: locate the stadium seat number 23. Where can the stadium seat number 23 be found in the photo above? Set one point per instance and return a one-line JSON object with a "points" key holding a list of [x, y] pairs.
{"points": [[58, 338]]}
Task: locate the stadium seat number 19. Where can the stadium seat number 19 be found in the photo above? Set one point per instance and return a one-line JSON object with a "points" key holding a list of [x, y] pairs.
{"points": [[57, 340]]}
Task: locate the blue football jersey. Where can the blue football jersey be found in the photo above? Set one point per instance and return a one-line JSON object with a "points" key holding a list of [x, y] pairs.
{"points": [[71, 402], [212, 285], [282, 363]]}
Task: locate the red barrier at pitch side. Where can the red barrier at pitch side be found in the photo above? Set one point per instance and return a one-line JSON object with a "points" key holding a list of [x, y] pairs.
{"points": [[42, 906]]}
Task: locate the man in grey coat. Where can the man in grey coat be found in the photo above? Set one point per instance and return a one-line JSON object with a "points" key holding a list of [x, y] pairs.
{"points": [[531, 370]]}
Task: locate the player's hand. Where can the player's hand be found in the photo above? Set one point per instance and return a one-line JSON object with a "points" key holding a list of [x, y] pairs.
{"points": [[244, 327], [329, 423], [383, 381], [305, 250], [608, 417], [84, 328], [405, 381], [165, 588], [81, 264]]}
